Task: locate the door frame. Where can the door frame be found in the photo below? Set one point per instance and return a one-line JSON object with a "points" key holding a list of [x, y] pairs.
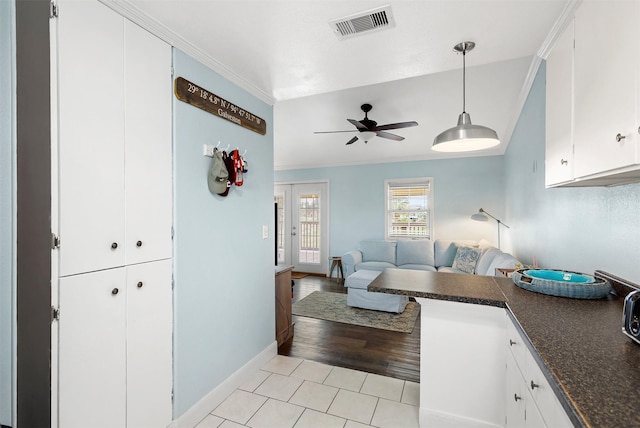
{"points": [[326, 182]]}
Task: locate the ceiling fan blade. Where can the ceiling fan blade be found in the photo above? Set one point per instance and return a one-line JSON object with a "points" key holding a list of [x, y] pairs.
{"points": [[351, 141], [395, 126], [333, 132], [389, 135], [358, 125]]}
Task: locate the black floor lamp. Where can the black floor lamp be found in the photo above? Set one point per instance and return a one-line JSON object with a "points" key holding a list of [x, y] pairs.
{"points": [[482, 215]]}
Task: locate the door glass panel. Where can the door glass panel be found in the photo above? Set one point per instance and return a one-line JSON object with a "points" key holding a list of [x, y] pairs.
{"points": [[281, 213], [309, 228]]}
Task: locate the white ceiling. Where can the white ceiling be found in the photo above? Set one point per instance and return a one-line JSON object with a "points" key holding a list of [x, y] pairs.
{"points": [[285, 53]]}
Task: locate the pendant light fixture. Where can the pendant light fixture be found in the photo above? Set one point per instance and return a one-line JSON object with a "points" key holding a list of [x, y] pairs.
{"points": [[465, 137]]}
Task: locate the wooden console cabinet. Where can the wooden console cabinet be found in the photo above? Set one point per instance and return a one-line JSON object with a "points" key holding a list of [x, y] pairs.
{"points": [[284, 321]]}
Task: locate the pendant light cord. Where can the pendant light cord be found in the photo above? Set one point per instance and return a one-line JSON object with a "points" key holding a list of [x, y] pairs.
{"points": [[464, 79]]}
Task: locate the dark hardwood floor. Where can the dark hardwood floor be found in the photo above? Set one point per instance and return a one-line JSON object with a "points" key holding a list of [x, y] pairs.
{"points": [[372, 350]]}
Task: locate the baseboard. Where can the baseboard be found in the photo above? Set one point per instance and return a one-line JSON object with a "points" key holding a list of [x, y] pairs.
{"points": [[430, 417], [201, 409]]}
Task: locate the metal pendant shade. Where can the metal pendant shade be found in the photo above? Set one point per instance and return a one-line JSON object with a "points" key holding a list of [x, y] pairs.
{"points": [[465, 136]]}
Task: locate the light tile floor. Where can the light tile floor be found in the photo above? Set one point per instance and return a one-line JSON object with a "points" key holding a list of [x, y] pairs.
{"points": [[291, 392]]}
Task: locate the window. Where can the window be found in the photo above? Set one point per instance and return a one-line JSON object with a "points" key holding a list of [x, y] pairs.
{"points": [[409, 210]]}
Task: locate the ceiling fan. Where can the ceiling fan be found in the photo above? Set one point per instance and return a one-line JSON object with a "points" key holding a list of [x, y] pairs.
{"points": [[369, 128]]}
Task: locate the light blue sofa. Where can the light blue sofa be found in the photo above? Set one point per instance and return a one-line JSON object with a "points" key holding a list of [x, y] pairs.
{"points": [[363, 265]]}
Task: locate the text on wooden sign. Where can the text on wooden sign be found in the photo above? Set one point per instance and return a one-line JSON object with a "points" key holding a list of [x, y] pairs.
{"points": [[193, 94]]}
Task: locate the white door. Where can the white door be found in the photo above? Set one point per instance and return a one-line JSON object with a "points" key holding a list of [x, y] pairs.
{"points": [[149, 345], [147, 149], [91, 137], [92, 350], [303, 226]]}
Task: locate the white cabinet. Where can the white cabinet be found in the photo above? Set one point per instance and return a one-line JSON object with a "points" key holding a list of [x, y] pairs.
{"points": [[115, 347], [114, 144], [113, 194], [462, 364], [559, 111], [601, 68], [530, 401], [606, 55]]}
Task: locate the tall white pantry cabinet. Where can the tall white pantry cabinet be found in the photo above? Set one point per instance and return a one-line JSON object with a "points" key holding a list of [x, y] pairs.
{"points": [[111, 219]]}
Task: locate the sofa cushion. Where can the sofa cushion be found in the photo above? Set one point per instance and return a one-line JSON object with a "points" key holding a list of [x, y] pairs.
{"points": [[417, 252], [418, 267], [504, 260], [487, 256], [449, 269], [361, 279], [466, 259], [377, 266], [445, 251], [378, 251]]}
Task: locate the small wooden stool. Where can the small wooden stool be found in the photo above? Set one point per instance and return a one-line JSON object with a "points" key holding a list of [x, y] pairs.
{"points": [[336, 263]]}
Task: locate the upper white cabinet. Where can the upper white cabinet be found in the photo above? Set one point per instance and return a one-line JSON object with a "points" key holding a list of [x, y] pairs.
{"points": [[606, 54], [604, 101], [559, 113], [114, 144]]}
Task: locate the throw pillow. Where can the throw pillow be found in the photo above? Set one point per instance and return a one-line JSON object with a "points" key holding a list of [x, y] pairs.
{"points": [[466, 259]]}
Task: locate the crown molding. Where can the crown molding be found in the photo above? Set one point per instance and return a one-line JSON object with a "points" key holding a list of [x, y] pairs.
{"points": [[558, 27], [134, 14]]}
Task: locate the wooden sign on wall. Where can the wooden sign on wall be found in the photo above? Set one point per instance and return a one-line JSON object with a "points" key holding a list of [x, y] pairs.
{"points": [[193, 94]]}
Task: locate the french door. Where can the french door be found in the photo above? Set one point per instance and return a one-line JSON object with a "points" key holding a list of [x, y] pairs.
{"points": [[302, 226]]}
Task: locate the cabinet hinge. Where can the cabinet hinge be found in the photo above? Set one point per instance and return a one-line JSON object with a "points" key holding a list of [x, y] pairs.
{"points": [[53, 10], [55, 314], [172, 232], [172, 71], [55, 241]]}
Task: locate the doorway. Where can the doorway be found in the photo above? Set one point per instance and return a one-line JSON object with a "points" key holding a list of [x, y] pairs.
{"points": [[302, 225]]}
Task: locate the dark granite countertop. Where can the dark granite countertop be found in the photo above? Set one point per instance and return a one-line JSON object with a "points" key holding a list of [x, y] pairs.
{"points": [[594, 366]]}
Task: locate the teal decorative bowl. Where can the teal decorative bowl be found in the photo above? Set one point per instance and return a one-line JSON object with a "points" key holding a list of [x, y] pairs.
{"points": [[562, 283]]}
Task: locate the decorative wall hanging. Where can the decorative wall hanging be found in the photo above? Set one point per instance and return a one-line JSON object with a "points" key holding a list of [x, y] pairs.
{"points": [[193, 94]]}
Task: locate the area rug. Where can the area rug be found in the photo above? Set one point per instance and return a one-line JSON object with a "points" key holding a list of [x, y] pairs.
{"points": [[298, 275], [333, 307]]}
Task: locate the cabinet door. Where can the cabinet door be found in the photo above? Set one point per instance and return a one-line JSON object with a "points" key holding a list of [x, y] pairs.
{"points": [[516, 393], [91, 350], [606, 50], [540, 390], [149, 344], [91, 137], [148, 182], [559, 111]]}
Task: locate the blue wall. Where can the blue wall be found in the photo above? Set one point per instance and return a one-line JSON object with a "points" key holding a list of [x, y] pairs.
{"points": [[7, 173], [580, 229], [357, 203], [223, 269]]}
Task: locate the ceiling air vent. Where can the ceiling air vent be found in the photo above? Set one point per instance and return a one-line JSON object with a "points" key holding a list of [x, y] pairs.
{"points": [[376, 19]]}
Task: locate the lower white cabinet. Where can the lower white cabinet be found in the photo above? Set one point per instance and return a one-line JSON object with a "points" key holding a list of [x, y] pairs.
{"points": [[115, 346], [530, 401]]}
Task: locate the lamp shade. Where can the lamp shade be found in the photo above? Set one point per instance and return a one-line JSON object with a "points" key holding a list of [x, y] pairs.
{"points": [[366, 136], [465, 137], [479, 216]]}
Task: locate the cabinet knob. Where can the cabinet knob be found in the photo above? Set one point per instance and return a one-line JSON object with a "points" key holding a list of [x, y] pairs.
{"points": [[139, 244], [511, 342], [563, 161], [140, 284], [114, 245], [534, 385], [114, 291], [516, 398], [620, 137]]}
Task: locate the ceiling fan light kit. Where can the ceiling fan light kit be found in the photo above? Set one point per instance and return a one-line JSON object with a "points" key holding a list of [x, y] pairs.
{"points": [[369, 129], [465, 136]]}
